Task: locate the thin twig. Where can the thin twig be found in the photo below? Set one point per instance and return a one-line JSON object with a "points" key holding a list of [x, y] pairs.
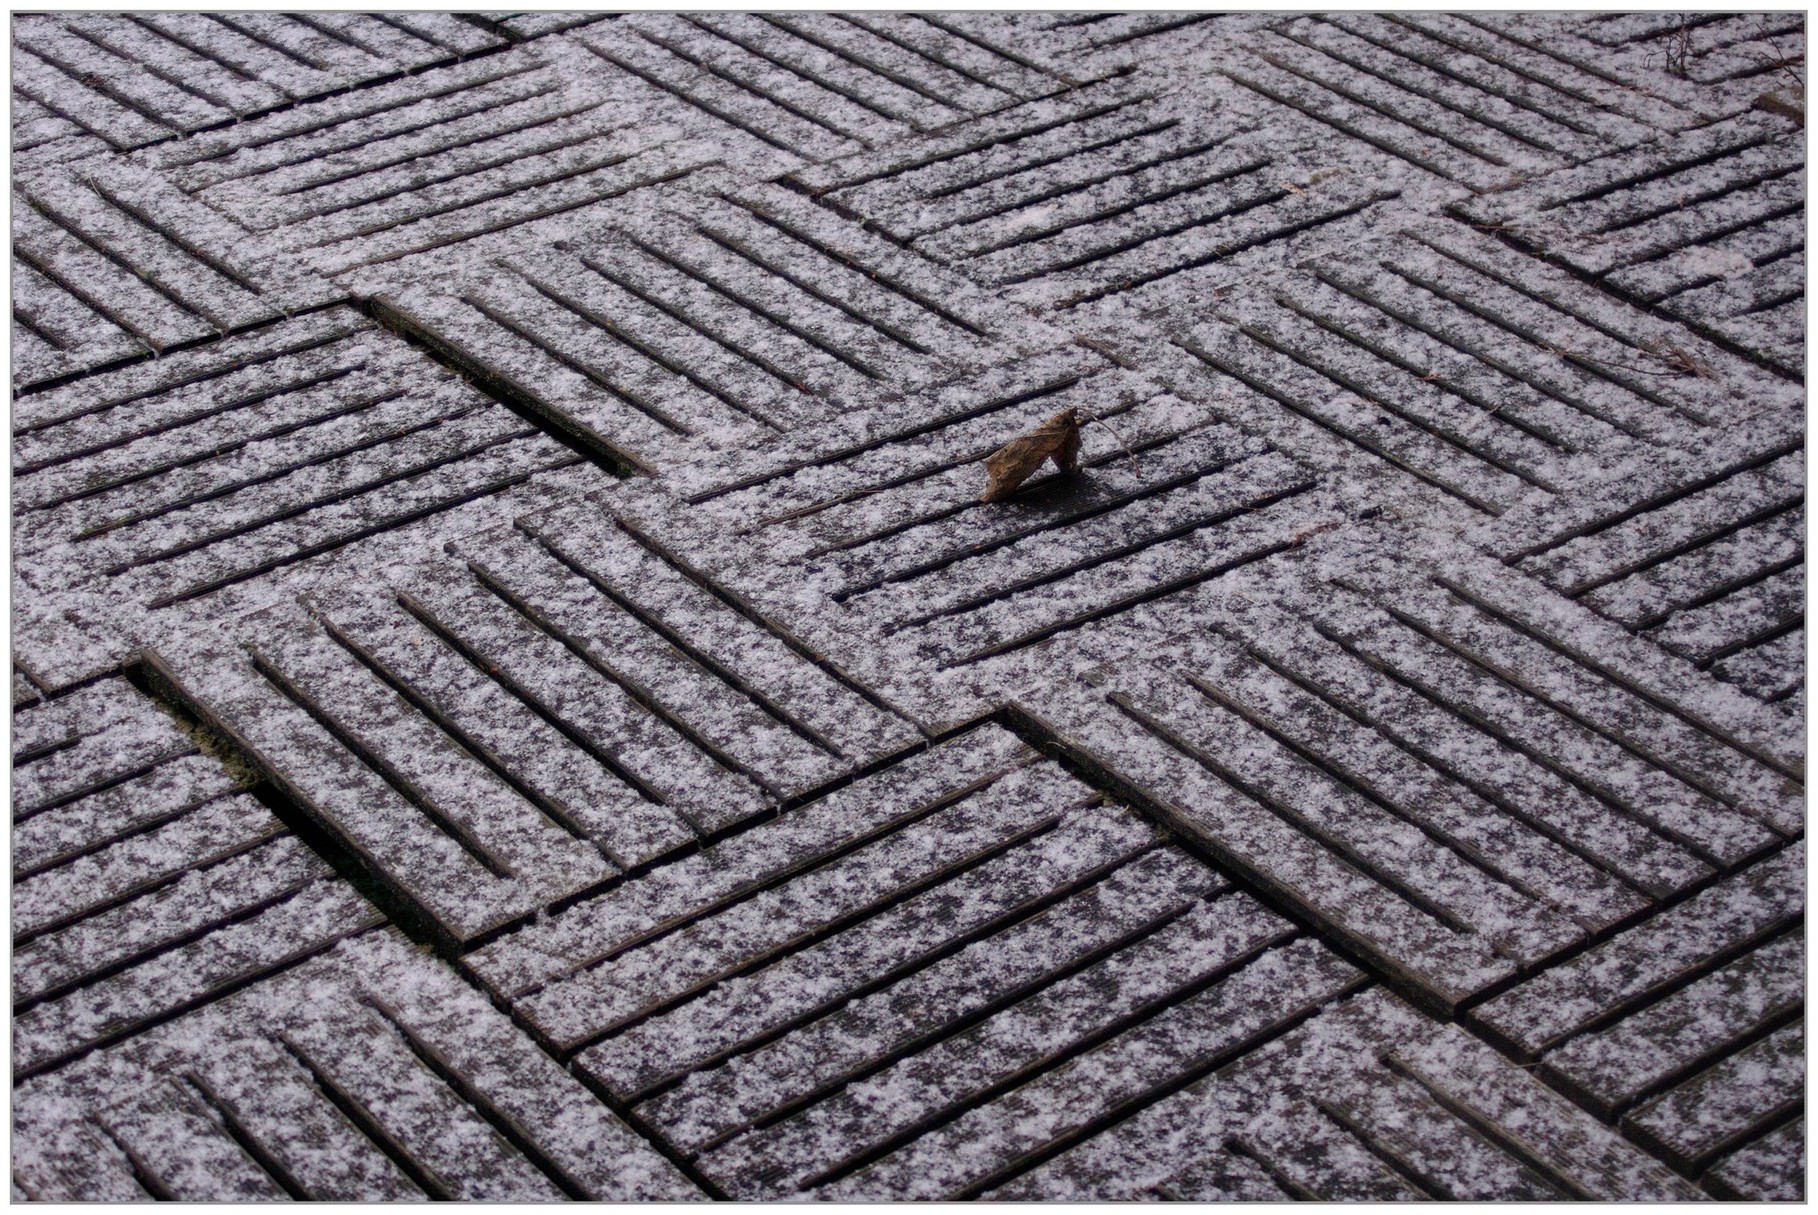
{"points": [[1092, 417], [1778, 61], [1685, 365]]}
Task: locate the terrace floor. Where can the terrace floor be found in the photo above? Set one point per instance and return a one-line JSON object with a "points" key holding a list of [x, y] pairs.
{"points": [[516, 694]]}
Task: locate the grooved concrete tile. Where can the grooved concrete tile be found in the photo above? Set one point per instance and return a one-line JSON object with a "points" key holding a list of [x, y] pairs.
{"points": [[1705, 226], [115, 262], [1703, 65], [1324, 741], [1447, 92], [1122, 193], [147, 879], [868, 543], [368, 1073], [712, 319], [512, 482], [1320, 1110], [509, 730], [137, 78], [143, 489]]}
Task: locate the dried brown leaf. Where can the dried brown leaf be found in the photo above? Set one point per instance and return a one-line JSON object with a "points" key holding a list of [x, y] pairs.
{"points": [[1011, 464]]}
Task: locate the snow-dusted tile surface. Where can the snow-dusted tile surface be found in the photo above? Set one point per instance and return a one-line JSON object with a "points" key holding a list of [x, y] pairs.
{"points": [[142, 489], [802, 89], [147, 879], [459, 162], [517, 696], [141, 78], [1452, 93], [370, 1072], [521, 27], [1127, 185], [1395, 758], [1317, 1114], [715, 315], [1707, 226], [865, 539], [1701, 65], [117, 263]]}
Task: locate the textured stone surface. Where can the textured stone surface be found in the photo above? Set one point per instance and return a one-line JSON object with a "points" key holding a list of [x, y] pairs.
{"points": [[516, 695]]}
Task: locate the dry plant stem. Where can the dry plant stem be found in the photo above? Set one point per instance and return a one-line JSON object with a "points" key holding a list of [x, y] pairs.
{"points": [[1680, 362], [1134, 462]]}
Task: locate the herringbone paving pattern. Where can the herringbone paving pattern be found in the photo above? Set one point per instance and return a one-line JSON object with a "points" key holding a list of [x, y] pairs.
{"points": [[517, 696]]}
